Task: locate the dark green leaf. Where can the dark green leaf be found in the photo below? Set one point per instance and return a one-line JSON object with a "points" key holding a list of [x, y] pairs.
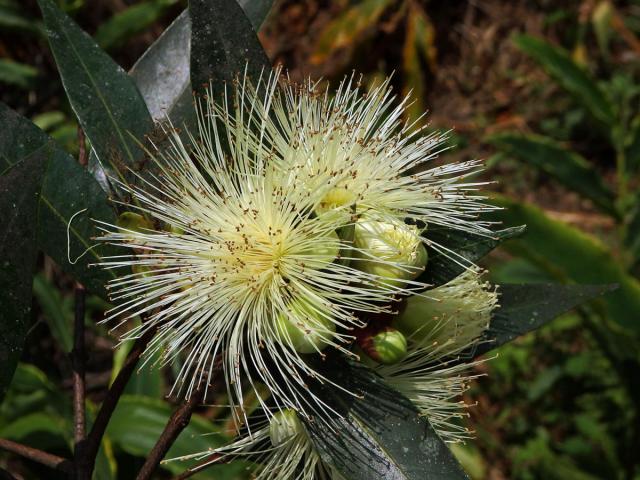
{"points": [[66, 189], [57, 312], [379, 433], [162, 73], [567, 73], [19, 74], [19, 192], [571, 169], [12, 18], [632, 150], [138, 422], [135, 19], [471, 247], [571, 255], [524, 308], [223, 45], [110, 109]]}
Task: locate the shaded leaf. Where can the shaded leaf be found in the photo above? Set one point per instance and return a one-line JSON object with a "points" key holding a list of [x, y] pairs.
{"points": [[138, 422], [66, 189], [223, 45], [19, 192], [127, 23], [569, 168], [523, 308], [19, 74], [471, 247], [571, 255], [567, 73], [105, 99], [57, 312], [378, 434]]}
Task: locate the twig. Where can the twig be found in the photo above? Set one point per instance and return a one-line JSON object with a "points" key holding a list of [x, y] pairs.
{"points": [[178, 422], [201, 465], [111, 400], [82, 149], [78, 364], [44, 458], [5, 475]]}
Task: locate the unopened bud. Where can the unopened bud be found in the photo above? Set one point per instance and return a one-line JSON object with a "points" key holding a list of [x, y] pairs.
{"points": [[305, 327], [284, 425], [392, 251], [336, 198], [134, 221], [388, 346], [325, 251]]}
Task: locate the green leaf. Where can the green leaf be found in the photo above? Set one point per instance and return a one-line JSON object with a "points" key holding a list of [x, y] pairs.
{"points": [[571, 255], [632, 147], [105, 99], [162, 72], [19, 74], [57, 312], [569, 168], [127, 23], [223, 45], [66, 189], [378, 433], [523, 308], [138, 421], [471, 247], [12, 18], [19, 192], [569, 75]]}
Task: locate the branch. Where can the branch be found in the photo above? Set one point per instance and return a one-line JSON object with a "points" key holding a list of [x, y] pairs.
{"points": [[111, 400], [78, 363], [52, 461], [4, 475], [178, 422]]}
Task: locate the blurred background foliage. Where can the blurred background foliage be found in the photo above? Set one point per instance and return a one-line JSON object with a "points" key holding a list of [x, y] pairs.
{"points": [[546, 91]]}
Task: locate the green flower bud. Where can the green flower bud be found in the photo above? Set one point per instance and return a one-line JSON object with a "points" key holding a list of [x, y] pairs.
{"points": [[284, 425], [328, 251], [451, 316], [396, 243], [134, 221], [304, 327], [388, 346]]}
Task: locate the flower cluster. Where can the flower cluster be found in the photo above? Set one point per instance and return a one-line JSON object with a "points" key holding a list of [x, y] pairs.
{"points": [[277, 231]]}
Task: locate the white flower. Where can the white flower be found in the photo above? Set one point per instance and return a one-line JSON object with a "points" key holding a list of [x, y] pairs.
{"points": [[239, 257]]}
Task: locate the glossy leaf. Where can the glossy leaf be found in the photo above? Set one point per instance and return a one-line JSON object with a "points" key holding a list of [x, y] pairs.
{"points": [[349, 28], [19, 199], [223, 45], [162, 72], [127, 23], [378, 433], [105, 99], [571, 255], [138, 422], [471, 247], [524, 308], [567, 73], [569, 168], [66, 189]]}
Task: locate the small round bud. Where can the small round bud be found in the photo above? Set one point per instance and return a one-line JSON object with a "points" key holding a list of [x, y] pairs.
{"points": [[284, 425], [305, 327], [134, 221], [393, 251], [388, 346]]}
